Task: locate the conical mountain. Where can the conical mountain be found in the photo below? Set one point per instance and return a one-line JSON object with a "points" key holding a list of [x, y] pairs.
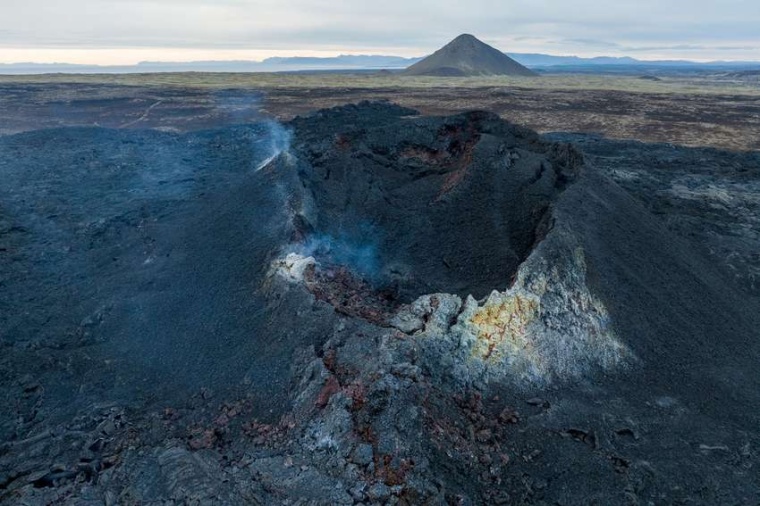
{"points": [[468, 56]]}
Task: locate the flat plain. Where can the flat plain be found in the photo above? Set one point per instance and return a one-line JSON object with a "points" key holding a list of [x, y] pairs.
{"points": [[717, 110]]}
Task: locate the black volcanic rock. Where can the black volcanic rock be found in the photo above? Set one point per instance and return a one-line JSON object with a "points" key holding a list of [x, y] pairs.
{"points": [[364, 306], [454, 203], [468, 56]]}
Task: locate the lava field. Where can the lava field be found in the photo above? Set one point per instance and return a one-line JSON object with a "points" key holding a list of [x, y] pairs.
{"points": [[365, 305]]}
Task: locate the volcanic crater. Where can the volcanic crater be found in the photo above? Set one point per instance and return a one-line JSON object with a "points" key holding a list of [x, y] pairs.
{"points": [[423, 205]]}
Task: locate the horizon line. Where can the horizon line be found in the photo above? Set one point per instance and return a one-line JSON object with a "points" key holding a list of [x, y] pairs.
{"points": [[362, 55]]}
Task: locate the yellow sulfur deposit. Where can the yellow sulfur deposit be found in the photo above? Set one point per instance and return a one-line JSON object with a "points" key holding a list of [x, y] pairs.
{"points": [[501, 325]]}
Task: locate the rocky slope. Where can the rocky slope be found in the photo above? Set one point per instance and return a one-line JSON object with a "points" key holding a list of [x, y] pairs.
{"points": [[366, 307], [708, 195]]}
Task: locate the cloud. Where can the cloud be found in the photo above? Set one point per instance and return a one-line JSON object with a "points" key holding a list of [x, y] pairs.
{"points": [[589, 43], [392, 26]]}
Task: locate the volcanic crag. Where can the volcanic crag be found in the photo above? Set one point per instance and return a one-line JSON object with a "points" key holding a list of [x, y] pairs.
{"points": [[468, 56], [391, 309]]}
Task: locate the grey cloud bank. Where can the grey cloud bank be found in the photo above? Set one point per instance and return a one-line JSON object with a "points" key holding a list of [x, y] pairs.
{"points": [[702, 29]]}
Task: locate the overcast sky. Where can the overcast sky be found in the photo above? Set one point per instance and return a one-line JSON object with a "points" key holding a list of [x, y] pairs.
{"points": [[128, 31]]}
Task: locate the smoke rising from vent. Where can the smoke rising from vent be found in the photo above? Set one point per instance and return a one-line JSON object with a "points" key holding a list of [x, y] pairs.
{"points": [[245, 108], [360, 257], [279, 142]]}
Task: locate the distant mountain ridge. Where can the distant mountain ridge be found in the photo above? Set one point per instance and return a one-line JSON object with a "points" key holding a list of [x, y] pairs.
{"points": [[347, 62], [370, 61], [541, 60]]}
